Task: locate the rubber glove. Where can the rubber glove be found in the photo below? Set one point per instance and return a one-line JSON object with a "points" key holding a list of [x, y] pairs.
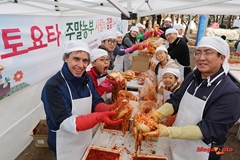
{"points": [[131, 49], [107, 84], [190, 132], [101, 107], [165, 110], [89, 121], [158, 32], [147, 34]]}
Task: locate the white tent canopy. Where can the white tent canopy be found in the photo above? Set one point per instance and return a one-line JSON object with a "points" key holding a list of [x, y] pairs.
{"points": [[115, 8]]}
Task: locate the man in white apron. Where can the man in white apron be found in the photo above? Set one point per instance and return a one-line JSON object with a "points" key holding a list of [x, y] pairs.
{"points": [[72, 104], [179, 52], [204, 106]]}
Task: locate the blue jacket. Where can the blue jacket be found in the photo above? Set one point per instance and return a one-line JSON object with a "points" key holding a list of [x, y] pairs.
{"points": [[119, 50], [222, 109], [57, 101]]}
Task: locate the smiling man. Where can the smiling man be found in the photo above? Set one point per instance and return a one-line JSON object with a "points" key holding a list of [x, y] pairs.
{"points": [[108, 43], [179, 52], [72, 104], [207, 105]]}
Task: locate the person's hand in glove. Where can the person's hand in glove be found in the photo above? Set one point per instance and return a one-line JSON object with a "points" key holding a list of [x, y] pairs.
{"points": [[144, 36], [107, 84], [158, 32], [164, 111], [190, 132], [85, 122], [131, 49]]}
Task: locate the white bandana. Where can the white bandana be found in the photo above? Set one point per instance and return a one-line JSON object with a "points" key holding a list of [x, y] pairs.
{"points": [[218, 44], [108, 34], [174, 71], [97, 53], [75, 45]]}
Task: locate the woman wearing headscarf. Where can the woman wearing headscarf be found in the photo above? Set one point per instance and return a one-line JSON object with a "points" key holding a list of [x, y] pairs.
{"points": [[121, 50], [129, 40], [179, 27], [164, 61], [204, 106]]}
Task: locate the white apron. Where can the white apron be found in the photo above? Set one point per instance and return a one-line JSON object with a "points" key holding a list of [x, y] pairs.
{"points": [[118, 63], [72, 146], [159, 75], [189, 113], [181, 68], [166, 95]]}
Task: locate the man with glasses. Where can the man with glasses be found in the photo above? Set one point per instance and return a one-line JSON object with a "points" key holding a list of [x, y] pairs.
{"points": [[207, 105], [72, 105], [108, 43]]}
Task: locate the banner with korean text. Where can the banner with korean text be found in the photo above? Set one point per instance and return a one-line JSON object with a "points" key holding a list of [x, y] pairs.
{"points": [[31, 47]]}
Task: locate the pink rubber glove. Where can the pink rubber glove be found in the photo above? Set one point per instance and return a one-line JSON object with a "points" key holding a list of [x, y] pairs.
{"points": [[158, 33], [147, 34], [143, 44], [131, 49], [107, 84], [89, 121]]}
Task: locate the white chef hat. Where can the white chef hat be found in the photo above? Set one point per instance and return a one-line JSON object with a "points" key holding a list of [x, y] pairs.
{"points": [[108, 34], [178, 26], [168, 19], [218, 44], [97, 53], [171, 30], [161, 48], [119, 34], [174, 71], [143, 26], [76, 45], [134, 28], [138, 25]]}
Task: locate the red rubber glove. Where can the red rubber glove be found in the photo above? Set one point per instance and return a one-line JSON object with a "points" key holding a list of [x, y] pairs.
{"points": [[101, 107], [147, 34], [89, 121], [107, 84], [158, 33], [131, 49]]}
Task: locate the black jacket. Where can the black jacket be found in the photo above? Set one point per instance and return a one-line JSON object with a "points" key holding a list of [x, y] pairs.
{"points": [[179, 50]]}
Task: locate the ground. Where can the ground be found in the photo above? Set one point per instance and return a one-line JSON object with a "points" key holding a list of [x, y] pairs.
{"points": [[34, 153]]}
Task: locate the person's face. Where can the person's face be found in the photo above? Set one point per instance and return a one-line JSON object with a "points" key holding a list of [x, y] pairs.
{"points": [[169, 79], [77, 62], [109, 44], [208, 61], [141, 30], [119, 39], [180, 31], [133, 34], [171, 37], [161, 55], [102, 64], [167, 23]]}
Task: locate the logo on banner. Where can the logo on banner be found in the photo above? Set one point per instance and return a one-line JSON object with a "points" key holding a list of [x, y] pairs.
{"points": [[217, 150]]}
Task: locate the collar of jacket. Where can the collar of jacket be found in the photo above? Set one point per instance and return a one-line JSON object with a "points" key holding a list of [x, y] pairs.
{"points": [[69, 76], [198, 79], [176, 41]]}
